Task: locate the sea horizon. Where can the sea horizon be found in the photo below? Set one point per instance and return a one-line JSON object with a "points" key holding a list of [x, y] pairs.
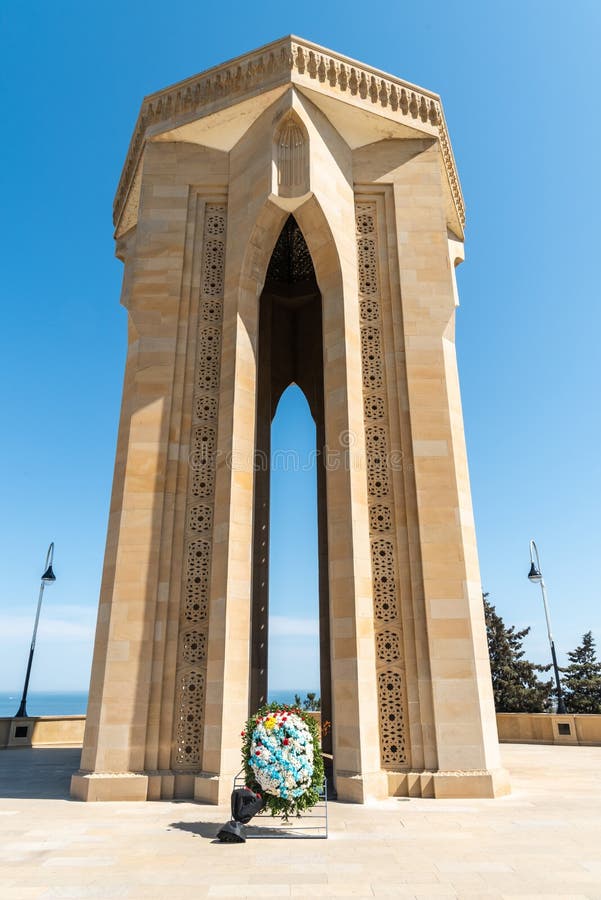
{"points": [[74, 703]]}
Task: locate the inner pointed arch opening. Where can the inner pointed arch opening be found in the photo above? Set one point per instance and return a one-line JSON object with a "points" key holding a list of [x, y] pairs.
{"points": [[290, 351], [293, 551], [291, 262]]}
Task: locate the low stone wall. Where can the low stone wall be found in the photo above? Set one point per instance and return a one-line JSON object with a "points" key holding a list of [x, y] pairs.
{"points": [[548, 728], [4, 732], [42, 731], [514, 728]]}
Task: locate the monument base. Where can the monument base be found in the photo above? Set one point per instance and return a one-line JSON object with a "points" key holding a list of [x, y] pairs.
{"points": [[449, 785], [361, 788], [213, 789], [92, 787]]}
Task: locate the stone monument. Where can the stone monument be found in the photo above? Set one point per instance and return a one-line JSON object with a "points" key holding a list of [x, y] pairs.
{"points": [[290, 216]]}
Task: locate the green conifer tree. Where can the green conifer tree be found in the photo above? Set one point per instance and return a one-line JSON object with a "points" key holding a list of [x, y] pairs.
{"points": [[582, 678], [312, 702], [516, 685]]}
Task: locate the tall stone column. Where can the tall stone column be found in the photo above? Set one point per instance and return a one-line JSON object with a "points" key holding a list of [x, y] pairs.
{"points": [[464, 721], [128, 745], [116, 729], [252, 229], [326, 221]]}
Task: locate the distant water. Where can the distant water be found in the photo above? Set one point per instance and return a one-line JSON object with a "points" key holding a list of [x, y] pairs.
{"points": [[45, 703], [74, 703], [287, 696]]}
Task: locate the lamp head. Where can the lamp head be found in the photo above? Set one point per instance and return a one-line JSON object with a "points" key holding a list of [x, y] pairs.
{"points": [[49, 577], [534, 575]]}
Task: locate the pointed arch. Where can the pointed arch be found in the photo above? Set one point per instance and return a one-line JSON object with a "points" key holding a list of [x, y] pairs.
{"points": [[241, 510], [259, 249], [289, 351]]}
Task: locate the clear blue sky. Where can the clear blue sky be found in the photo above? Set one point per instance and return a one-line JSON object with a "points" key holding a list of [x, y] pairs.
{"points": [[520, 84]]}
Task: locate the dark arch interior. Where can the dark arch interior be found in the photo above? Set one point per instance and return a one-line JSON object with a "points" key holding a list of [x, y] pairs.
{"points": [[290, 351]]}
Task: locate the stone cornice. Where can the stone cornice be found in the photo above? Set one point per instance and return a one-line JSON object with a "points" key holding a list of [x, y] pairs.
{"points": [[289, 59]]}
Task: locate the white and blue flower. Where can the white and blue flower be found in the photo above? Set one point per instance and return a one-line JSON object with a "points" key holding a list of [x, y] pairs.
{"points": [[282, 754]]}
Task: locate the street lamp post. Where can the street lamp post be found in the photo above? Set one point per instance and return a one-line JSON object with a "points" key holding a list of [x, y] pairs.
{"points": [[536, 577], [47, 578]]}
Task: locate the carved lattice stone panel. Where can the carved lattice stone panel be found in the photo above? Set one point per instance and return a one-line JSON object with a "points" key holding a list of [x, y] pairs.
{"points": [[291, 261], [189, 719], [392, 728], [200, 518], [209, 343], [379, 518], [373, 407], [382, 561], [377, 480], [379, 489], [368, 273], [388, 646], [377, 461], [194, 646], [202, 460], [366, 218], [197, 581], [214, 262], [375, 444], [198, 560], [194, 613], [211, 310], [203, 478], [205, 407], [369, 310], [204, 439], [215, 219], [371, 358]]}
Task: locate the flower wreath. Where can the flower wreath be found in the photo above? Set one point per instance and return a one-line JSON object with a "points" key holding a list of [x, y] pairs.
{"points": [[282, 759]]}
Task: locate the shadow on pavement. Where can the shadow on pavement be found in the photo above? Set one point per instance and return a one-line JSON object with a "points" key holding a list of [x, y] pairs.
{"points": [[38, 773], [200, 829]]}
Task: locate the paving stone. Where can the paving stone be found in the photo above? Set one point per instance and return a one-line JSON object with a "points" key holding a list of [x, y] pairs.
{"points": [[539, 842]]}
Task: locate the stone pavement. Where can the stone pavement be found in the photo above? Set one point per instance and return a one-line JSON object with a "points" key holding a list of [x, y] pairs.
{"points": [[543, 840]]}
